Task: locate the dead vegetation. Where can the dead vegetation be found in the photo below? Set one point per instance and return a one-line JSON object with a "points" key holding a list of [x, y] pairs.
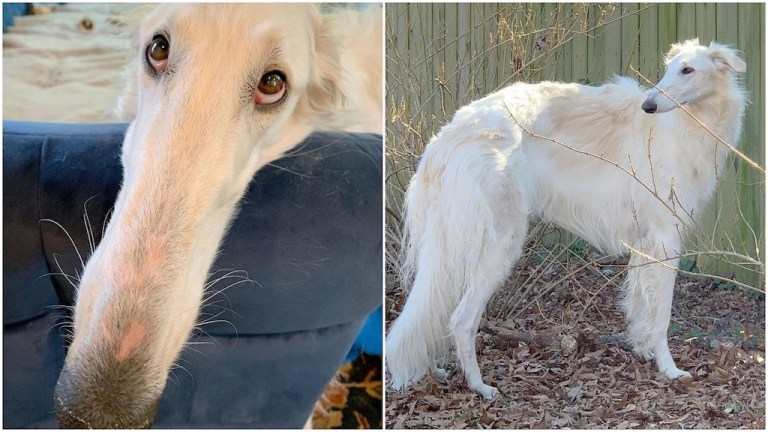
{"points": [[560, 362]]}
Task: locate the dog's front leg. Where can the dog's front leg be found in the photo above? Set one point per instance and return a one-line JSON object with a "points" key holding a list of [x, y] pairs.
{"points": [[648, 304]]}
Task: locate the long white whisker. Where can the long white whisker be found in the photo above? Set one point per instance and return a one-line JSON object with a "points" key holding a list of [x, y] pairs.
{"points": [[74, 246], [88, 227], [106, 219], [66, 276]]}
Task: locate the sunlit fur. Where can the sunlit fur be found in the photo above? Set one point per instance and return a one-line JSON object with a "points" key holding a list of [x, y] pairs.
{"points": [[195, 144], [587, 158]]}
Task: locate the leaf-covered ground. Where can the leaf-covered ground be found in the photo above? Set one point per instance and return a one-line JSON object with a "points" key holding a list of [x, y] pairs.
{"points": [[548, 381]]}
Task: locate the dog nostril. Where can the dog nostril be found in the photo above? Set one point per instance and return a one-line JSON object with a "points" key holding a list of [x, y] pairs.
{"points": [[68, 420], [649, 107], [65, 405]]}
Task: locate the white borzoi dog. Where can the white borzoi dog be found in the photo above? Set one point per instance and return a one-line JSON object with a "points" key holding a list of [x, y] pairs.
{"points": [[623, 167], [222, 91]]}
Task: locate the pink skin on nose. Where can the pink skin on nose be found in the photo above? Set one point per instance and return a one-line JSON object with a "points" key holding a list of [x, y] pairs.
{"points": [[132, 282], [155, 252], [144, 276], [131, 339]]}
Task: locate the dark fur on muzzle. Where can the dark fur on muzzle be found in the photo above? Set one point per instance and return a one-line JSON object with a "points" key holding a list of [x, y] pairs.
{"points": [[101, 397]]}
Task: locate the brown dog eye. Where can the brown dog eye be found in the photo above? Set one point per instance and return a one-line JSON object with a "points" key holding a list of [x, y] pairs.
{"points": [[271, 88], [157, 53]]}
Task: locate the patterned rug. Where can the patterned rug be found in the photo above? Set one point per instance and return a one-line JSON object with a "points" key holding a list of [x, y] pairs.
{"points": [[354, 399]]}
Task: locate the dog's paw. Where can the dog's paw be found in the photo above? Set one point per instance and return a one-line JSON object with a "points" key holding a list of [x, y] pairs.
{"points": [[487, 392], [439, 374], [643, 352], [675, 373]]}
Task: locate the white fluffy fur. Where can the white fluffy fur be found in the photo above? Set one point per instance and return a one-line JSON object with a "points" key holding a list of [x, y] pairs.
{"points": [[569, 154], [188, 156]]}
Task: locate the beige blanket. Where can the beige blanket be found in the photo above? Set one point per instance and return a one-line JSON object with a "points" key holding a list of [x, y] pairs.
{"points": [[69, 65]]}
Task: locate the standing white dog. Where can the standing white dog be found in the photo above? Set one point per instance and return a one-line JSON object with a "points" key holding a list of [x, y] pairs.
{"points": [[586, 158]]}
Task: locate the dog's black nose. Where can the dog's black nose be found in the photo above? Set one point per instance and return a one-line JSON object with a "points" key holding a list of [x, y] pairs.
{"points": [[103, 407], [649, 107]]}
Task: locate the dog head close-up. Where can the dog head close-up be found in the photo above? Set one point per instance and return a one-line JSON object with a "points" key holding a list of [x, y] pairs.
{"points": [[222, 90], [694, 74]]}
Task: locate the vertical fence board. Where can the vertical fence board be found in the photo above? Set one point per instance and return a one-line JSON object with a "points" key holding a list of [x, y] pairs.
{"points": [[667, 27], [727, 23], [725, 209], [417, 45], [549, 15], [630, 29], [505, 51], [397, 60], [706, 22], [567, 57], [579, 49], [491, 28], [751, 186], [612, 47], [649, 37], [595, 47], [463, 50], [686, 21], [451, 58], [477, 52]]}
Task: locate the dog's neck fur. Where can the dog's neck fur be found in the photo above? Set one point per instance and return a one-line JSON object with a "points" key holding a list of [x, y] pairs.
{"points": [[725, 121]]}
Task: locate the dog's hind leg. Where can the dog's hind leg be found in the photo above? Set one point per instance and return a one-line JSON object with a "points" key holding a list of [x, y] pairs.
{"points": [[503, 245], [466, 320], [648, 303]]}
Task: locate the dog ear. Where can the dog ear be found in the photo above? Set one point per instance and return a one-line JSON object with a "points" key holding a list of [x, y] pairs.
{"points": [[725, 58], [325, 94]]}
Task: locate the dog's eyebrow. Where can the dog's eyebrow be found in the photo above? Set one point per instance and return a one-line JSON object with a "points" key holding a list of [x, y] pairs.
{"points": [[275, 56], [266, 61]]}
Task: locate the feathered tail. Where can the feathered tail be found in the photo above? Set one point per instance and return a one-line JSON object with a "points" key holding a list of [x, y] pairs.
{"points": [[448, 227]]}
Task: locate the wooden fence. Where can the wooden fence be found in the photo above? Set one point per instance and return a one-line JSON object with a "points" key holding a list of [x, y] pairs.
{"points": [[441, 56]]}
